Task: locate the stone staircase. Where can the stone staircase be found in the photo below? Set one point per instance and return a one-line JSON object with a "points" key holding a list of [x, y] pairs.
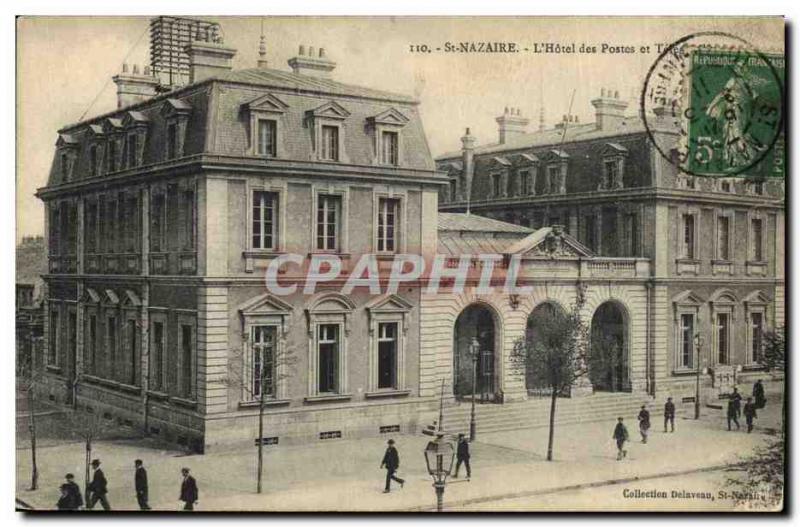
{"points": [[535, 413]]}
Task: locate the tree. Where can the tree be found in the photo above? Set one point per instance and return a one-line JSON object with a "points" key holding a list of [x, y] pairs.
{"points": [[88, 426], [555, 355], [28, 378], [773, 358]]}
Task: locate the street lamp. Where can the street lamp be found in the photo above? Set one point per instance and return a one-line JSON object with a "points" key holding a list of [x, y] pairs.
{"points": [[699, 341], [439, 456], [474, 351]]}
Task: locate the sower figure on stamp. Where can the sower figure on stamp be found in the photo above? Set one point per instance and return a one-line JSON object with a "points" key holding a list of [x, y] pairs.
{"points": [[98, 488], [749, 413], [140, 481], [759, 395], [189, 492], [644, 423], [462, 456], [669, 414], [620, 436], [732, 414], [391, 460]]}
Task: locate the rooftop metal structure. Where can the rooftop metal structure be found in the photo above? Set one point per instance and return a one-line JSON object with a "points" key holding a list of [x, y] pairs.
{"points": [[169, 36]]}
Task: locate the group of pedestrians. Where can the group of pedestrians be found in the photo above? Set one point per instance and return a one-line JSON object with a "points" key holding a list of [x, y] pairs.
{"points": [[391, 462], [621, 436], [97, 490], [751, 406]]}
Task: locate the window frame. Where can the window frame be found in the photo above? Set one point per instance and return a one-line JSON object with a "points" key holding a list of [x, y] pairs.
{"points": [[328, 309], [731, 222], [389, 309], [400, 200], [342, 230], [332, 156], [395, 160], [158, 369], [190, 321]]}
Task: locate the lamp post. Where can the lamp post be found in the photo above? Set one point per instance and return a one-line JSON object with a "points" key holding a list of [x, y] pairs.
{"points": [[439, 456], [698, 339], [474, 351]]}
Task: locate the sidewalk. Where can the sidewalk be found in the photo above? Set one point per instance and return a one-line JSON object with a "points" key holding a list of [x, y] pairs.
{"points": [[345, 475]]}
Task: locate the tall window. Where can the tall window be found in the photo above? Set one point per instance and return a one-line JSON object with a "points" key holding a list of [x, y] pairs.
{"points": [[157, 357], [267, 138], [111, 346], [112, 156], [91, 227], [723, 333], [93, 160], [328, 353], [64, 168], [387, 355], [686, 355], [187, 353], [387, 224], [172, 141], [525, 186], [631, 235], [330, 143], [688, 236], [264, 352], [187, 218], [111, 226], [756, 336], [723, 233], [55, 338], [133, 349], [265, 219], [453, 190], [91, 344], [157, 210], [756, 240], [497, 185], [132, 154], [554, 179], [610, 173], [389, 148], [590, 224], [328, 218]]}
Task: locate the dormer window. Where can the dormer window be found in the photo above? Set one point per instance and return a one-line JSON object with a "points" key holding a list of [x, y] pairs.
{"points": [[176, 116], [327, 125], [112, 155], [610, 173], [93, 160], [453, 189], [132, 147], [386, 128], [614, 155], [389, 148], [172, 140], [64, 167], [556, 172], [266, 124], [267, 137], [67, 153], [330, 143], [497, 185], [553, 176], [525, 183]]}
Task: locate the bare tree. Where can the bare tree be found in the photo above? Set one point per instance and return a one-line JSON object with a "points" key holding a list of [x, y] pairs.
{"points": [[555, 356], [28, 379], [85, 424]]}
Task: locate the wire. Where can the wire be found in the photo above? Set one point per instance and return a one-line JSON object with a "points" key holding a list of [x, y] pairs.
{"points": [[108, 80]]}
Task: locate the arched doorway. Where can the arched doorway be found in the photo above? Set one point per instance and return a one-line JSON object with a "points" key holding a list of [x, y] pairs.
{"points": [[542, 316], [475, 322], [608, 354]]}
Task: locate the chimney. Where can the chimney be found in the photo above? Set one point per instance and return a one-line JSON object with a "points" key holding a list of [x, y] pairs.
{"points": [[609, 109], [312, 64], [262, 53], [208, 57], [510, 124], [134, 87], [467, 155]]}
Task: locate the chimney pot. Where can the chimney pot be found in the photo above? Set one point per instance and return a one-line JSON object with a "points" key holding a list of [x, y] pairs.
{"points": [[302, 50], [136, 69], [310, 51], [312, 64], [322, 53], [208, 59], [147, 71], [609, 109], [124, 67]]}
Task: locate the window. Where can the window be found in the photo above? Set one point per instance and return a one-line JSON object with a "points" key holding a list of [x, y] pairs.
{"points": [[267, 138], [55, 337], [688, 237], [187, 356], [187, 219], [91, 345], [91, 227], [328, 356], [756, 336], [64, 168], [631, 235], [264, 350], [133, 350], [725, 186], [723, 233], [387, 224], [758, 188], [330, 143], [525, 187], [172, 141], [157, 211], [111, 226], [590, 230], [453, 189], [387, 355], [93, 160], [686, 355], [265, 216], [610, 173], [497, 185], [389, 148], [132, 154], [111, 346], [157, 357], [328, 218], [756, 240], [553, 220], [112, 156], [553, 179], [723, 338]]}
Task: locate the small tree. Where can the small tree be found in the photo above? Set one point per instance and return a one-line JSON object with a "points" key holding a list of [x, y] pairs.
{"points": [[28, 379], [773, 358], [556, 355], [88, 426]]}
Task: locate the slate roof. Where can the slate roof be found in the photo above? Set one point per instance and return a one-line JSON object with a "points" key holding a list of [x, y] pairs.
{"points": [[457, 221]]}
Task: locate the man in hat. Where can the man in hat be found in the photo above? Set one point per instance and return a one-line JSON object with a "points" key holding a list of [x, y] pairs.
{"points": [[98, 488], [749, 413], [140, 482], [669, 414], [391, 460], [620, 436], [71, 499], [462, 455], [189, 492], [736, 397], [644, 423], [733, 414]]}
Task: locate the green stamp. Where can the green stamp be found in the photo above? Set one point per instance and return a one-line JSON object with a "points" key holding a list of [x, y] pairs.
{"points": [[734, 114]]}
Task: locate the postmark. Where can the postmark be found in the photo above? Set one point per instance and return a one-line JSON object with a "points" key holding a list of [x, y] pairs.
{"points": [[724, 100]]}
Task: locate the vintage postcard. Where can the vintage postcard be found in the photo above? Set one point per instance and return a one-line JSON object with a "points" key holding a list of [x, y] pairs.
{"points": [[400, 264]]}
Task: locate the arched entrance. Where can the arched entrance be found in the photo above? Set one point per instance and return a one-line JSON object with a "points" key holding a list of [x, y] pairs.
{"points": [[543, 315], [475, 322], [608, 354]]}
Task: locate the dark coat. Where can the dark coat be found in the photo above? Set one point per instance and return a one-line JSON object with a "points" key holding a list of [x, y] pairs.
{"points": [[189, 492], [644, 419], [73, 499], [141, 479], [750, 410], [758, 395], [669, 409], [99, 485], [620, 432], [462, 451], [737, 400], [391, 459], [732, 409]]}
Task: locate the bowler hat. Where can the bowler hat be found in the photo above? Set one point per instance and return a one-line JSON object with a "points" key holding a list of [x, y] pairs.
{"points": [[69, 475], [95, 462], [391, 441]]}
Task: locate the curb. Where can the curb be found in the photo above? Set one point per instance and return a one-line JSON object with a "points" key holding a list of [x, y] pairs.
{"points": [[577, 486]]}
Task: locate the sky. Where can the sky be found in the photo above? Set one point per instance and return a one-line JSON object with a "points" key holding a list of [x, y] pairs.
{"points": [[65, 65]]}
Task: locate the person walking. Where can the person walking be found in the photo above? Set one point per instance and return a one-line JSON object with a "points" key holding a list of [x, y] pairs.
{"points": [[737, 402], [749, 413], [64, 503], [462, 456], [189, 493], [759, 395], [732, 414], [71, 498], [140, 483], [391, 460], [620, 436], [644, 423], [98, 488], [669, 414]]}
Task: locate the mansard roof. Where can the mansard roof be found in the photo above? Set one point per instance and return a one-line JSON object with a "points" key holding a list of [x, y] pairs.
{"points": [[456, 221]]}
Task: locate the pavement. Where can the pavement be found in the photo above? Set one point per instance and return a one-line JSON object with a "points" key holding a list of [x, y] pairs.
{"points": [[344, 475]]}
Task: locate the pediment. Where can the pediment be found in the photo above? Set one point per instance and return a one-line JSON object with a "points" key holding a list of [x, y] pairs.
{"points": [[613, 149], [130, 298], [330, 110], [391, 117], [96, 130], [267, 103], [110, 297], [757, 297], [451, 166], [133, 118], [67, 141], [265, 304], [499, 162], [389, 304], [90, 296], [526, 159], [332, 303], [687, 297], [175, 107], [555, 156], [112, 124], [723, 296], [548, 242]]}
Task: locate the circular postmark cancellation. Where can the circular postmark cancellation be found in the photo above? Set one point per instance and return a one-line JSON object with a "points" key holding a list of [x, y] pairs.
{"points": [[712, 105]]}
